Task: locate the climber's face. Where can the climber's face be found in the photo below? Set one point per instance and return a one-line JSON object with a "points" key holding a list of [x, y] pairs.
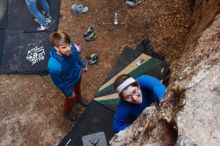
{"points": [[132, 94]]}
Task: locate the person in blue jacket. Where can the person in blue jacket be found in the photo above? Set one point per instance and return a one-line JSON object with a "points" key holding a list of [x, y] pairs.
{"points": [[65, 67], [135, 95]]}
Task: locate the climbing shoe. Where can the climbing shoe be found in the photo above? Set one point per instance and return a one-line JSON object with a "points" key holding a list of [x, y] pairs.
{"points": [[90, 37], [93, 56], [89, 30], [93, 60], [79, 9]]}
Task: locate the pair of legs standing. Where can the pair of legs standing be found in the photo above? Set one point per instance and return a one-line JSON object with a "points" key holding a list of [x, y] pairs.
{"points": [[42, 19], [69, 102]]}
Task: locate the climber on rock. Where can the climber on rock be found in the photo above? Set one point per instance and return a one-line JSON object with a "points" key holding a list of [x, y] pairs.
{"points": [[135, 96]]}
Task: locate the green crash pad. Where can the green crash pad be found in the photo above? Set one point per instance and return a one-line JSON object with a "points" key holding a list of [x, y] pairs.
{"points": [[107, 96]]}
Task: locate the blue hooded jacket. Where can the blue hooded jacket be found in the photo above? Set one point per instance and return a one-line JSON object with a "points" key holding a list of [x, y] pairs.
{"points": [[65, 71], [152, 90]]}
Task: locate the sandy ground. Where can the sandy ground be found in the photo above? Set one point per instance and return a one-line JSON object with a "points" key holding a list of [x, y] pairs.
{"points": [[31, 106]]}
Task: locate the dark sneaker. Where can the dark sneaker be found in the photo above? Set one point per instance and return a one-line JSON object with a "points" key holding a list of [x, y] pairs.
{"points": [[88, 32], [91, 37], [93, 56], [93, 60], [70, 116]]}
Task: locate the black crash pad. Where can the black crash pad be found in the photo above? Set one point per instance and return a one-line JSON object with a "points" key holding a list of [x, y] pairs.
{"points": [[19, 17], [27, 57], [95, 119], [22, 48]]}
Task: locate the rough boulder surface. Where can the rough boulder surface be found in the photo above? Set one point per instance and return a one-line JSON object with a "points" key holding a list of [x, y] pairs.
{"points": [[190, 115], [199, 120]]}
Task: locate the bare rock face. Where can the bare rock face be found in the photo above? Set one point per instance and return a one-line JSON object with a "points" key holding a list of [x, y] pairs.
{"points": [[199, 120], [190, 116]]}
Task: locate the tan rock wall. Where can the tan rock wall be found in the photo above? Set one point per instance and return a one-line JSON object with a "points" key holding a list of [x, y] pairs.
{"points": [[191, 115]]}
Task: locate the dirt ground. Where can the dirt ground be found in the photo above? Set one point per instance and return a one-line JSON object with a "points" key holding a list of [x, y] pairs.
{"points": [[31, 106]]}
